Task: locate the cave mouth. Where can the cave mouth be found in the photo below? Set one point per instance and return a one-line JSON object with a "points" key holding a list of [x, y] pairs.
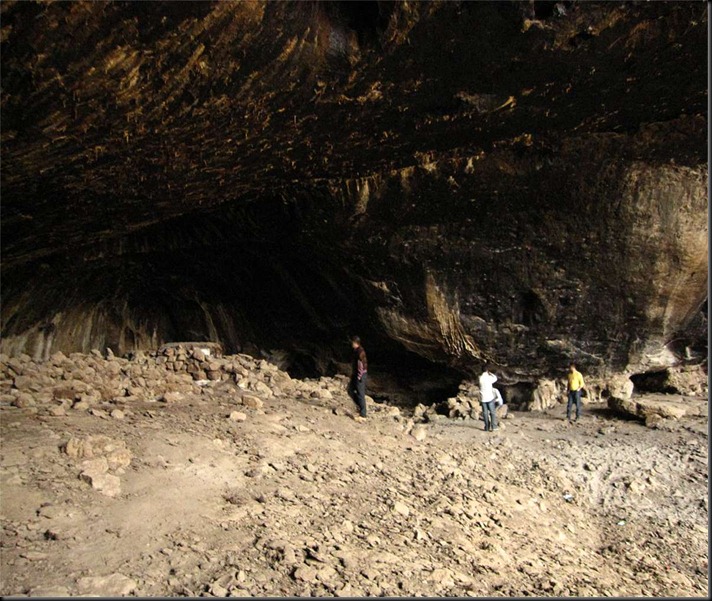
{"points": [[396, 376], [279, 178], [369, 19]]}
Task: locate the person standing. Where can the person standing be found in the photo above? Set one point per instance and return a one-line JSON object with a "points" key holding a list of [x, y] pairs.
{"points": [[487, 397], [359, 375], [575, 386]]}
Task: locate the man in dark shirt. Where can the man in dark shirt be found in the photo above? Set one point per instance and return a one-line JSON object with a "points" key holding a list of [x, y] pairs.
{"points": [[359, 373]]}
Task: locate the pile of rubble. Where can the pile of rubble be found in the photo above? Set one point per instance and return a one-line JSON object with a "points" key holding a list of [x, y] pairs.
{"points": [[465, 406], [98, 456], [615, 391], [105, 383]]}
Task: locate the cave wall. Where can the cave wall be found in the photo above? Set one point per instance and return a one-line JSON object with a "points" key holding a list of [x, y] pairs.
{"points": [[528, 190], [532, 257]]}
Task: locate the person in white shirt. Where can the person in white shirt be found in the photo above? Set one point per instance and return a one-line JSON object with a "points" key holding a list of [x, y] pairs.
{"points": [[487, 397]]}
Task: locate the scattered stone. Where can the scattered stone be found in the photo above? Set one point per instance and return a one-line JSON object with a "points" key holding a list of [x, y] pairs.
{"points": [[94, 467], [48, 590], [114, 452], [106, 484], [657, 422], [305, 574], [252, 402], [24, 400], [57, 411], [401, 508], [172, 397], [420, 433], [219, 587], [114, 585], [238, 416], [33, 555], [117, 414]]}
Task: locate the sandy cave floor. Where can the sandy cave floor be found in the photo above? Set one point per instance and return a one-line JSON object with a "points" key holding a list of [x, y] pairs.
{"points": [[299, 500]]}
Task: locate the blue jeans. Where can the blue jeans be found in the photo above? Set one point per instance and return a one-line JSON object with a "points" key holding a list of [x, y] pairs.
{"points": [[574, 397], [490, 415], [357, 390]]}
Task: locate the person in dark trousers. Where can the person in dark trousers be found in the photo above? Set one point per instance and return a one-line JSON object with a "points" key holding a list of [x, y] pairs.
{"points": [[359, 374], [488, 398], [575, 386]]}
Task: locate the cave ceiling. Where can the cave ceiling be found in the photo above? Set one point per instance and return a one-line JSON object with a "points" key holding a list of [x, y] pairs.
{"points": [[117, 115], [515, 181]]}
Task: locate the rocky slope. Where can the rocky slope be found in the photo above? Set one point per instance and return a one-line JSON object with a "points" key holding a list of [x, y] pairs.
{"points": [[523, 182], [260, 485]]}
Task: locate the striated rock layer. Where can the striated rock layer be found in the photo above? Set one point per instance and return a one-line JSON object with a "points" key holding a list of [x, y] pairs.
{"points": [[517, 182]]}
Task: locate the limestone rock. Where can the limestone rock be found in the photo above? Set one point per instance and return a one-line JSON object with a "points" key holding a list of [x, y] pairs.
{"points": [[24, 400], [252, 402], [620, 386], [262, 388], [401, 508], [98, 465], [305, 573], [546, 395], [27, 383], [172, 397], [113, 585], [112, 451], [106, 484], [420, 433], [649, 409], [49, 590]]}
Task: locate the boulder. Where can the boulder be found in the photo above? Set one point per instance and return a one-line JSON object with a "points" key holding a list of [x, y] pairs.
{"points": [[620, 386], [650, 408], [113, 585]]}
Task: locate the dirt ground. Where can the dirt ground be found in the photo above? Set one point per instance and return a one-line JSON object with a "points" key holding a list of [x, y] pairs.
{"points": [[298, 499]]}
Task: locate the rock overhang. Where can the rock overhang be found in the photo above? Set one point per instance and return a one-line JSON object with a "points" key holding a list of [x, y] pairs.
{"points": [[407, 129]]}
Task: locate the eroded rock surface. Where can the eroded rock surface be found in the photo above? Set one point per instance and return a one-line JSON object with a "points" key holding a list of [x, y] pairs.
{"points": [[457, 181]]}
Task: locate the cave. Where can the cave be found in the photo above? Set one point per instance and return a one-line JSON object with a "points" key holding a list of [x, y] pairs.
{"points": [[203, 202], [523, 183]]}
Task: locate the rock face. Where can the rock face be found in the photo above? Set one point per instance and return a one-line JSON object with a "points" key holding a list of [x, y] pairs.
{"points": [[277, 175]]}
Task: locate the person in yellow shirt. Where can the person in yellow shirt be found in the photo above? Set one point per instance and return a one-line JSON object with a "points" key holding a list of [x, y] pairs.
{"points": [[575, 387]]}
